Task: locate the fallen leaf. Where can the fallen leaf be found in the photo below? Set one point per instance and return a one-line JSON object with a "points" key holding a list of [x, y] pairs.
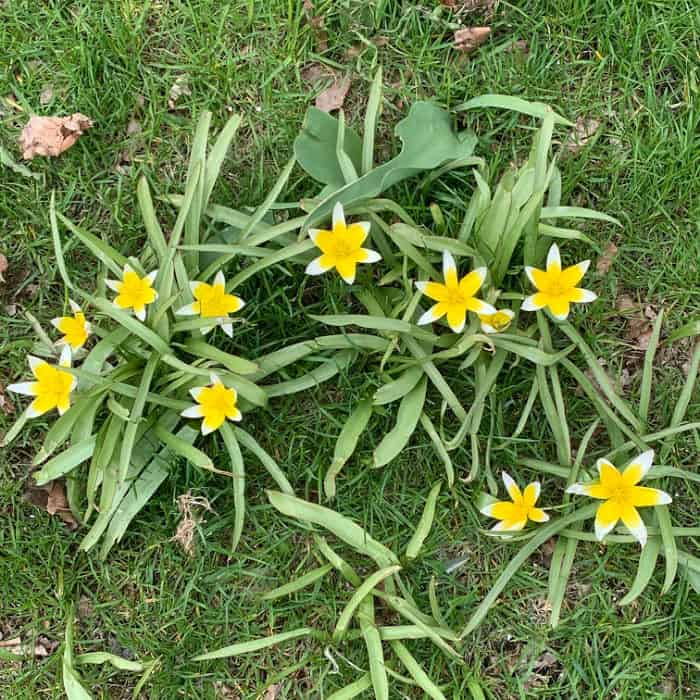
{"points": [[46, 95], [84, 607], [606, 259], [625, 303], [313, 72], [583, 132], [3, 266], [51, 136], [640, 328], [179, 88], [52, 498], [334, 96], [42, 648], [468, 39], [272, 693]]}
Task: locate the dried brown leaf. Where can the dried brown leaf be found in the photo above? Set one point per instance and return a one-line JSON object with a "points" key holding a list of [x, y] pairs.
{"points": [[190, 507], [51, 497], [583, 131], [179, 88], [42, 648], [606, 259], [470, 38], [51, 136], [46, 95], [3, 266], [334, 96], [272, 693]]}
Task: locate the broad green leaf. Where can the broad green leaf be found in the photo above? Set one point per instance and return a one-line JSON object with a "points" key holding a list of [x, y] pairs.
{"points": [[375, 653], [233, 363], [407, 419], [670, 547], [72, 683], [686, 331], [377, 323], [358, 596], [425, 523], [397, 389], [298, 584], [416, 672], [645, 570], [428, 141], [238, 469], [353, 690], [346, 444], [340, 526], [273, 469], [576, 213], [513, 104], [374, 104], [254, 645], [66, 461], [103, 657], [332, 366]]}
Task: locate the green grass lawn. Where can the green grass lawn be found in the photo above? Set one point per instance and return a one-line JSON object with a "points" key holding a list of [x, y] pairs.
{"points": [[630, 65]]}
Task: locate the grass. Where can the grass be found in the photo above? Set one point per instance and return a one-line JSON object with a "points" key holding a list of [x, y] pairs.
{"points": [[630, 65]]}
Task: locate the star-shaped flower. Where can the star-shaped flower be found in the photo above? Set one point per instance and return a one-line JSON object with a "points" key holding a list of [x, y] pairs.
{"points": [[215, 403], [514, 514], [556, 288], [75, 328], [134, 292], [52, 388], [498, 322], [212, 301], [621, 496], [342, 247], [455, 297]]}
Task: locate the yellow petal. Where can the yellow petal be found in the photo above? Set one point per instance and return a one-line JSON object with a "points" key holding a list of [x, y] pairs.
{"points": [[606, 518], [644, 496]]}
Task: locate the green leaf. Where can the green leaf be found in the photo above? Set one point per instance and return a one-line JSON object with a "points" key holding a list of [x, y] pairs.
{"points": [[249, 442], [298, 584], [315, 146], [254, 645], [576, 213], [72, 683], [670, 548], [687, 331], [377, 323], [68, 460], [428, 141], [233, 363], [425, 524], [374, 104], [375, 653], [238, 469], [332, 366], [407, 419], [513, 104], [416, 672], [340, 526], [216, 156], [103, 657], [346, 443], [397, 389], [57, 245], [183, 448], [645, 570], [358, 596], [439, 446], [353, 690]]}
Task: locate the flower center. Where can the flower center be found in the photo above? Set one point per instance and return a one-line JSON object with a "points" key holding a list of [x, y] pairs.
{"points": [[455, 297], [620, 494], [343, 248]]}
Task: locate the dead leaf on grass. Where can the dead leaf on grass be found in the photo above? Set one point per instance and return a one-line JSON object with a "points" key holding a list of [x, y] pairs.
{"points": [[3, 266], [470, 38], [583, 131], [51, 136], [640, 328], [46, 95], [42, 648], [272, 693], [52, 498], [334, 96], [625, 303], [179, 88], [605, 261]]}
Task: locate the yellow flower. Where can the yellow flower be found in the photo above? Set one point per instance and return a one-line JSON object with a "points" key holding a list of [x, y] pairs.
{"points": [[514, 514], [75, 328], [215, 403], [496, 323], [556, 288], [212, 301], [134, 292], [342, 247], [455, 297], [622, 496], [52, 387]]}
